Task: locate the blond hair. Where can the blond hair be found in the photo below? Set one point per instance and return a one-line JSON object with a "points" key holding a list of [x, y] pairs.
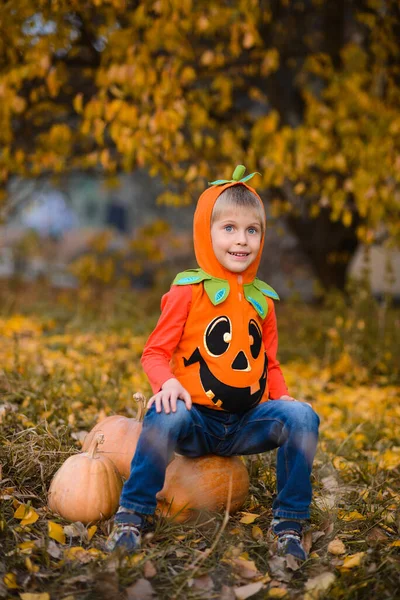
{"points": [[238, 196]]}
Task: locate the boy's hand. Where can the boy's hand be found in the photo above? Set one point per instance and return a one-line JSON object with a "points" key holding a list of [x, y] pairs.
{"points": [[290, 399], [167, 397]]}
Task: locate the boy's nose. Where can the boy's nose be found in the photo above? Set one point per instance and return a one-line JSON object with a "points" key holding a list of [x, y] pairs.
{"points": [[241, 239]]}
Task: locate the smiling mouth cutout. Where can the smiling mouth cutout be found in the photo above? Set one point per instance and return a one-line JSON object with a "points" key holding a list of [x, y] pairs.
{"points": [[227, 397]]}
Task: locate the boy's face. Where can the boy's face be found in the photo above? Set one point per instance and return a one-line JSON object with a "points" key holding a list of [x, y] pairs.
{"points": [[236, 238]]}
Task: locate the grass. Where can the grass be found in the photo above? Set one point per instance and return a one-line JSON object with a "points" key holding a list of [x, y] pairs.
{"points": [[63, 365]]}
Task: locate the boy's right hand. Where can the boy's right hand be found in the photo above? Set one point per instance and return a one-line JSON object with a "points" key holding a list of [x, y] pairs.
{"points": [[167, 397]]}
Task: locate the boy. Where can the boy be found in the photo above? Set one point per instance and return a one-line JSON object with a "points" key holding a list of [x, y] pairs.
{"points": [[218, 387]]}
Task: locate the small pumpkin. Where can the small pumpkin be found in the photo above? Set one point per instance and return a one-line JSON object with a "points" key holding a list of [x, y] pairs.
{"points": [[86, 487], [196, 484], [121, 436]]}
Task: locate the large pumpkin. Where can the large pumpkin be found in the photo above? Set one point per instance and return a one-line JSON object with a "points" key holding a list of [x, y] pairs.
{"points": [[86, 487], [121, 436], [196, 484]]}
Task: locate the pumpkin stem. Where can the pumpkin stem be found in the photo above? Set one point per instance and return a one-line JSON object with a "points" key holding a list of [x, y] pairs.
{"points": [[141, 402], [98, 439]]}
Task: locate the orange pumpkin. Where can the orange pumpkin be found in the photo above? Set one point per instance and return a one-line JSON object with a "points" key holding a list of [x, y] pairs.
{"points": [[196, 484], [121, 436], [86, 487]]}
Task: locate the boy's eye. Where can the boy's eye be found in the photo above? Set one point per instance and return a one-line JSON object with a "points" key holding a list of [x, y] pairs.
{"points": [[228, 227], [252, 230]]}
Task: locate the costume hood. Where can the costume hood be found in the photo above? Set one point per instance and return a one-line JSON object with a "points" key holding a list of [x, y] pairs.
{"points": [[204, 252]]}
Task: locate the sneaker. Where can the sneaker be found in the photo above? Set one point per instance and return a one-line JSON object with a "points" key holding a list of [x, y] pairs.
{"points": [[288, 535], [126, 533]]}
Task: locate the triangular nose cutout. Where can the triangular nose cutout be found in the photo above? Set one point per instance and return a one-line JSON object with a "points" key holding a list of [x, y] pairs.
{"points": [[241, 363]]}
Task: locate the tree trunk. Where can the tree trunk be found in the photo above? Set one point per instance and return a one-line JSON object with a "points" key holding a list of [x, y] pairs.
{"points": [[328, 245]]}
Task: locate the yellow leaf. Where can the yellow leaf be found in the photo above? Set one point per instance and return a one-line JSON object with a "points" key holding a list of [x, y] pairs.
{"points": [[248, 518], [235, 531], [10, 579], [27, 514], [351, 516], [277, 592], [352, 561], [256, 532], [30, 566], [91, 531], [26, 547], [30, 596], [78, 103], [336, 547], [395, 544], [75, 553], [390, 459], [56, 532]]}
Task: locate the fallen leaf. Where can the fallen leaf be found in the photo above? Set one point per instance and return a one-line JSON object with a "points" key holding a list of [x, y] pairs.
{"points": [[395, 544], [10, 579], [320, 583], [246, 591], [227, 593], [30, 596], [27, 547], [54, 550], [204, 582], [56, 532], [277, 566], [245, 568], [30, 566], [292, 563], [91, 531], [248, 518], [277, 592], [354, 560], [307, 541], [26, 514], [376, 535], [256, 533], [350, 516], [77, 553], [76, 529], [140, 590], [149, 569], [336, 547]]}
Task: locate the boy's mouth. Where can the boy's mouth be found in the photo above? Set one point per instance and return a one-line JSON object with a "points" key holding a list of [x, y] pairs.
{"points": [[239, 254]]}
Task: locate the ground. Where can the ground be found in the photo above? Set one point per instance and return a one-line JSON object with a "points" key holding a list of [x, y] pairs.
{"points": [[64, 366]]}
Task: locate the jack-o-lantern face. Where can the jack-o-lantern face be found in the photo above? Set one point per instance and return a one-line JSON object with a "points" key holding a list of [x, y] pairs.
{"points": [[238, 357]]}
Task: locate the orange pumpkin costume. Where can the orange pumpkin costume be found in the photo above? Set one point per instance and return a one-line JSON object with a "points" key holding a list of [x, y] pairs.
{"points": [[217, 331]]}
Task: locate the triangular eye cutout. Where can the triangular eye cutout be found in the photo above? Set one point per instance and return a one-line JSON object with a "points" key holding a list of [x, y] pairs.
{"points": [[237, 176]]}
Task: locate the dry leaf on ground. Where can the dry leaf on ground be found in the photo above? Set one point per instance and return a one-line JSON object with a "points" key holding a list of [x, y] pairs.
{"points": [[354, 560], [319, 584], [336, 547], [246, 591], [140, 590], [248, 518]]}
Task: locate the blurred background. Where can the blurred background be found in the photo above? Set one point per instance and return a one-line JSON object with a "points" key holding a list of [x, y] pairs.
{"points": [[115, 114]]}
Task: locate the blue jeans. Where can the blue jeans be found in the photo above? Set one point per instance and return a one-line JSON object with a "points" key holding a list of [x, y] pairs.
{"points": [[290, 426]]}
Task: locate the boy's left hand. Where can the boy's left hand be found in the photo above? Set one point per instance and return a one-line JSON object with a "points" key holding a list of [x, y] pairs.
{"points": [[286, 398]]}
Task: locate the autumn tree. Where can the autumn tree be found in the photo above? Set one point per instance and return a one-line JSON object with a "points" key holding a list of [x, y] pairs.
{"points": [[306, 92]]}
